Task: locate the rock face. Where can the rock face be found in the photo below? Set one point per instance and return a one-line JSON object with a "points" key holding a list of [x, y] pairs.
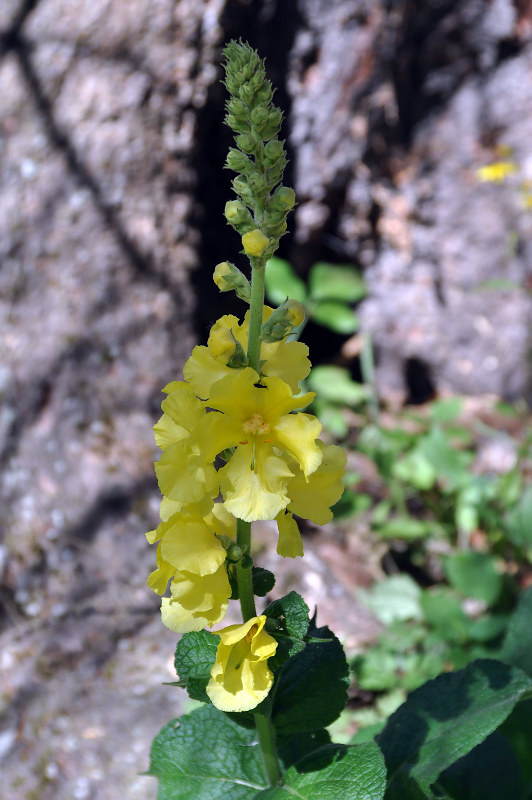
{"points": [[111, 222]]}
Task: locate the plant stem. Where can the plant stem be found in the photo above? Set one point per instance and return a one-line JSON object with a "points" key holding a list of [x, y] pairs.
{"points": [[264, 726], [243, 574], [255, 312], [266, 733]]}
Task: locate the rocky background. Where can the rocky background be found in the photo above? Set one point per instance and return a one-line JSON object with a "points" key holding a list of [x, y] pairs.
{"points": [[111, 221]]}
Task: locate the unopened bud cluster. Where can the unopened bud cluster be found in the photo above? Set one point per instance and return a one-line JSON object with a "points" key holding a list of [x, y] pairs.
{"points": [[259, 158]]}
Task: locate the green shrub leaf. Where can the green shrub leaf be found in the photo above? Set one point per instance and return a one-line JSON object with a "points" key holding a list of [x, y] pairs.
{"points": [[282, 282], [300, 702], [449, 716], [336, 316], [474, 575], [517, 647], [336, 385], [336, 282], [194, 656], [334, 772], [206, 756]]}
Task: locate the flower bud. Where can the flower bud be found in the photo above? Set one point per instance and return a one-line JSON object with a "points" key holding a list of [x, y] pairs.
{"points": [[273, 150], [284, 319], [257, 183], [234, 553], [222, 343], [237, 161], [246, 143], [259, 117], [255, 243], [283, 199], [228, 278]]}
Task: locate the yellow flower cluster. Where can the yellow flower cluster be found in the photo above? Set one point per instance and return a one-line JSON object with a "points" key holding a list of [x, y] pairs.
{"points": [[230, 434]]}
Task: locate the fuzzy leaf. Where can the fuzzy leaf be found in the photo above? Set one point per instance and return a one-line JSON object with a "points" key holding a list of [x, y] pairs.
{"points": [[206, 756], [334, 772], [194, 656], [449, 716], [312, 686]]}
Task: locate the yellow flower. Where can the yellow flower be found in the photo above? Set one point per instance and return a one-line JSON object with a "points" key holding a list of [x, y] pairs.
{"points": [[255, 243], [190, 555], [222, 276], [256, 420], [240, 677], [497, 172], [311, 499], [286, 360], [198, 601], [182, 474]]}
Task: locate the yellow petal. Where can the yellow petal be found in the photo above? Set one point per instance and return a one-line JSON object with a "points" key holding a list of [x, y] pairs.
{"points": [[202, 371], [286, 360], [182, 412], [240, 677], [189, 544], [201, 593], [290, 542], [215, 433], [297, 433], [182, 475], [258, 492], [312, 499]]}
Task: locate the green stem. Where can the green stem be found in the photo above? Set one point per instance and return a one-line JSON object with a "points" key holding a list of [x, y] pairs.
{"points": [[266, 733], [264, 726], [255, 312], [244, 575]]}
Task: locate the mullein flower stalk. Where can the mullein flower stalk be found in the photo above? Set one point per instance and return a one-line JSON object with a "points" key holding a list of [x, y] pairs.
{"points": [[235, 428]]}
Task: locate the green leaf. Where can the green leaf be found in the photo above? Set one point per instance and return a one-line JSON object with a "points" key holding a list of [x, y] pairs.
{"points": [[491, 771], [519, 521], [394, 598], [450, 464], [282, 282], [336, 316], [449, 716], [336, 772], [444, 612], [310, 690], [517, 729], [408, 528], [336, 282], [206, 756], [194, 656], [416, 469], [517, 647], [263, 581], [475, 575], [292, 611], [446, 410], [298, 745], [336, 385]]}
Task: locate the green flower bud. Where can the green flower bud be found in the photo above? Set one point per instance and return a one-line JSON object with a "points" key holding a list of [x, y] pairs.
{"points": [[273, 150], [284, 319], [237, 108], [255, 243], [237, 161], [284, 199], [259, 117], [237, 214], [257, 183], [241, 187], [228, 278], [246, 143], [234, 553], [247, 93]]}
